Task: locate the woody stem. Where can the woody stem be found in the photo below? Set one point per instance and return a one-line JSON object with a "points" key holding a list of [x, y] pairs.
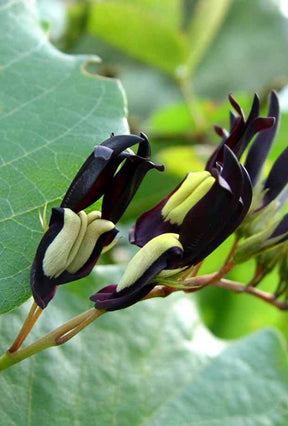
{"points": [[242, 288]]}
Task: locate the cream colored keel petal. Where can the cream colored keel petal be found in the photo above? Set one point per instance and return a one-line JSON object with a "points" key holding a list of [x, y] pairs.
{"points": [[83, 228], [55, 259], [192, 181], [94, 231], [93, 216], [146, 256], [178, 214]]}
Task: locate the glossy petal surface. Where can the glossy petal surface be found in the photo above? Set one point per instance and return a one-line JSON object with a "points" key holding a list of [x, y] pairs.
{"points": [[94, 176], [111, 300]]}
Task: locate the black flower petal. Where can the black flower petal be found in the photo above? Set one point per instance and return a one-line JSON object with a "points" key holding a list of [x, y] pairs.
{"points": [[218, 213], [94, 177], [208, 222], [125, 183], [241, 131], [151, 224], [261, 147]]}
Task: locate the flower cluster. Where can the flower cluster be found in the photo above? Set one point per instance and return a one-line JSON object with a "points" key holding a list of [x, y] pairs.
{"points": [[183, 228], [206, 207], [74, 240], [265, 228]]}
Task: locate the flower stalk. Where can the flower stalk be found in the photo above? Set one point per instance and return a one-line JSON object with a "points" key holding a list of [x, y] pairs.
{"points": [[32, 317], [198, 119], [55, 338], [72, 327], [237, 287]]}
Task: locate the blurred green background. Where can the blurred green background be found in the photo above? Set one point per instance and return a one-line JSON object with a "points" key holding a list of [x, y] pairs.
{"points": [[177, 61]]}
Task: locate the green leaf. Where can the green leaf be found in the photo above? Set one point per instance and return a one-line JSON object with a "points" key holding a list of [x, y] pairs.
{"points": [[246, 385], [207, 18], [140, 33], [166, 10], [120, 369], [52, 114], [152, 363], [176, 118], [180, 160], [171, 119], [247, 52]]}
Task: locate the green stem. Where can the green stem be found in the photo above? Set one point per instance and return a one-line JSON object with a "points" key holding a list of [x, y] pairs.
{"points": [[11, 358], [55, 338], [197, 117], [68, 330]]}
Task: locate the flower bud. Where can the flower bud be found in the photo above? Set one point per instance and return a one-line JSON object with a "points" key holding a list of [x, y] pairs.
{"points": [[283, 276], [71, 246], [273, 236]]}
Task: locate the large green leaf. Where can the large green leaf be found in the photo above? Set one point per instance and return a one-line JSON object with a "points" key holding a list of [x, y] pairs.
{"points": [[140, 33], [153, 363], [152, 31], [52, 113], [248, 52], [169, 11], [246, 385]]}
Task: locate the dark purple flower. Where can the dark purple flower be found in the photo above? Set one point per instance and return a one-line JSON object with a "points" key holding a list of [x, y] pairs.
{"points": [[182, 229], [205, 208], [241, 135], [74, 240], [242, 131], [278, 176], [98, 175], [162, 252]]}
